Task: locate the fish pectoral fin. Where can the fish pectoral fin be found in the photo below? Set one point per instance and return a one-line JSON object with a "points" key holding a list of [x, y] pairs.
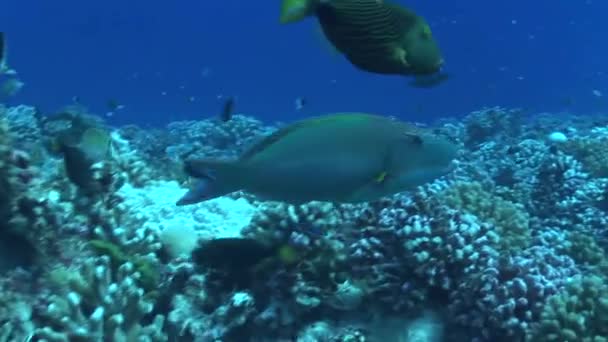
{"points": [[400, 55], [295, 10], [410, 139]]}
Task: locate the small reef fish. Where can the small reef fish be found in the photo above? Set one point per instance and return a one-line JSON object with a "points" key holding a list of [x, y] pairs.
{"points": [[300, 102], [343, 158], [113, 107], [227, 109], [375, 36]]}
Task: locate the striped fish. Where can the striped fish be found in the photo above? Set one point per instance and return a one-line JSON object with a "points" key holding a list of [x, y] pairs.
{"points": [[374, 35]]}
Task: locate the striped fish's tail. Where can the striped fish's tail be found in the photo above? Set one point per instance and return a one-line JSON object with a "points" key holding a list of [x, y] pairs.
{"points": [[296, 10]]}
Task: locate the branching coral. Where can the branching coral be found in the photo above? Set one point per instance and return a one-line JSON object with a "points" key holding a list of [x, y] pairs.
{"points": [[490, 122], [510, 219], [591, 152], [97, 303]]}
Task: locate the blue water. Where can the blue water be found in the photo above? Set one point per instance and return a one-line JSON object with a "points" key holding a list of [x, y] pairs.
{"points": [[153, 56]]}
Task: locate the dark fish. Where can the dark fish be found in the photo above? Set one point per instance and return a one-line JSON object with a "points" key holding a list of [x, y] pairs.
{"points": [[2, 51], [346, 157], [238, 254], [568, 101], [114, 105], [375, 36], [242, 259], [429, 81], [4, 68], [227, 109]]}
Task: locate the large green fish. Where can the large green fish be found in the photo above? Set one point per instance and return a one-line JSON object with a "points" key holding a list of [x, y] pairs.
{"points": [[343, 158], [374, 35]]}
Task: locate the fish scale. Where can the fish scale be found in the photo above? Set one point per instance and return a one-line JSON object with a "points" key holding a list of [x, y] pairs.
{"points": [[365, 30], [359, 21]]}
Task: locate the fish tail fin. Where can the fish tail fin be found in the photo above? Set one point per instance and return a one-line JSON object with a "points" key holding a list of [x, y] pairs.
{"points": [[295, 10], [214, 178]]}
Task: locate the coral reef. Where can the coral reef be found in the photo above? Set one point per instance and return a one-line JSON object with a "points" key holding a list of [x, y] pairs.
{"points": [[579, 313], [99, 302], [510, 246]]}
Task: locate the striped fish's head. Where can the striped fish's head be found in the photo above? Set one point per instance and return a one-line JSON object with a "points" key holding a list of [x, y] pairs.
{"points": [[423, 54]]}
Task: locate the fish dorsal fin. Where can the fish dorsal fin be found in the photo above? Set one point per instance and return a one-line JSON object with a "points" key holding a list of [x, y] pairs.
{"points": [[267, 141]]}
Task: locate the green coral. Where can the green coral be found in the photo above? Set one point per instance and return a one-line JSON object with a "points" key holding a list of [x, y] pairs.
{"points": [[579, 314], [591, 152], [510, 219], [149, 275], [583, 249]]}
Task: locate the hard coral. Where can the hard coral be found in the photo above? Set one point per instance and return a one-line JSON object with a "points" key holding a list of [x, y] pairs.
{"points": [[489, 122], [100, 304], [510, 219], [578, 313]]}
